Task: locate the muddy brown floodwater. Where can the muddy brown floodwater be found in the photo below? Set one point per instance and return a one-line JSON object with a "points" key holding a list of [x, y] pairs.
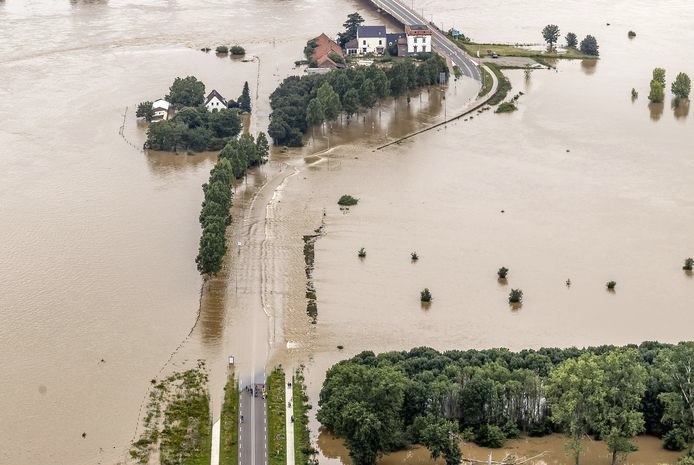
{"points": [[98, 287]]}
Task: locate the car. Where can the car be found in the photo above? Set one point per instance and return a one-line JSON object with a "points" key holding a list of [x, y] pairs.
{"points": [[494, 55]]}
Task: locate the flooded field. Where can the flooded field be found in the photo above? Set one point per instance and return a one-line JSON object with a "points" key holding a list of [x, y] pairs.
{"points": [[97, 277]]}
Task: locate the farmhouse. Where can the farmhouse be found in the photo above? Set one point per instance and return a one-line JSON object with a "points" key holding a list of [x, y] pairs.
{"points": [[325, 47], [215, 101]]}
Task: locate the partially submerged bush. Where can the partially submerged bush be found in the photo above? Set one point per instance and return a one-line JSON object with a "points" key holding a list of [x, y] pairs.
{"points": [[347, 201], [611, 285], [632, 34], [222, 50], [688, 264], [362, 253], [237, 50], [490, 436], [506, 107], [503, 271], [414, 256], [425, 295], [515, 296]]}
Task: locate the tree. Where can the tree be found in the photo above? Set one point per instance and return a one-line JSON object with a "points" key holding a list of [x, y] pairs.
{"points": [[551, 34], [224, 123], [503, 271], [329, 101], [237, 50], [659, 75], [367, 94], [515, 296], [350, 102], [657, 94], [278, 129], [681, 86], [425, 295], [380, 81], [186, 92], [619, 418], [315, 113], [245, 98], [351, 25], [262, 147], [688, 264], [589, 46], [439, 436], [145, 110], [677, 373], [571, 40], [247, 147], [165, 135], [222, 49], [191, 117], [575, 392]]}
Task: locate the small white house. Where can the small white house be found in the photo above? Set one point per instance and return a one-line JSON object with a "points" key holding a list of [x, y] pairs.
{"points": [[371, 39], [418, 38], [161, 110], [215, 101]]}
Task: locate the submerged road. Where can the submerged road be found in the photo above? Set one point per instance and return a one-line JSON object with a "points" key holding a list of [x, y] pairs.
{"points": [[440, 42]]}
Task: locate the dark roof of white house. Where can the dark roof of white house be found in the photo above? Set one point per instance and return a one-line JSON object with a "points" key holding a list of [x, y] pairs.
{"points": [[214, 93], [371, 31]]}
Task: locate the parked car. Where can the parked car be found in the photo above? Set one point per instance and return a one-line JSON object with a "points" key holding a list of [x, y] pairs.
{"points": [[494, 55]]}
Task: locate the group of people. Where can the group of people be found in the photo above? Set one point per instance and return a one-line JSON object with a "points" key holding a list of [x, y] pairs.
{"points": [[255, 390]]}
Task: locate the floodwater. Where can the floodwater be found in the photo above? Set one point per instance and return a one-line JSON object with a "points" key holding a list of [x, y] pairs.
{"points": [[99, 238], [549, 450]]}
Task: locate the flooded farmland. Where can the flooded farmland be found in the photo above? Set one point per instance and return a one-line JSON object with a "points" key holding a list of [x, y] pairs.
{"points": [[97, 277]]}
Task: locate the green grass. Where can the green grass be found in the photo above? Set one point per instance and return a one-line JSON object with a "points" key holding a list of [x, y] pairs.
{"points": [[229, 435], [187, 434], [504, 50], [503, 88], [487, 82], [276, 418], [303, 452]]}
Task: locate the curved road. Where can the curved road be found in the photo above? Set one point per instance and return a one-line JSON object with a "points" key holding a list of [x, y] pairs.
{"points": [[439, 41]]}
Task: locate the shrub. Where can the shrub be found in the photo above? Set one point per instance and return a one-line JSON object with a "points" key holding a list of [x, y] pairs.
{"points": [[634, 93], [222, 49], [490, 436], [589, 46], [681, 86], [632, 34], [515, 297], [688, 264], [468, 434], [237, 50], [415, 257], [362, 253], [674, 440], [686, 460], [611, 285], [511, 430], [426, 295], [657, 94], [506, 107], [659, 75], [503, 271], [347, 201]]}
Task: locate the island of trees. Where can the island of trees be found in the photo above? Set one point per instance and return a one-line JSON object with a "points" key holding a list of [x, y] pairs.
{"points": [[193, 127], [301, 102], [382, 403]]}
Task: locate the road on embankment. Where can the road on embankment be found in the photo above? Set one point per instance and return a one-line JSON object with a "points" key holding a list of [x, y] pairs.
{"points": [[440, 42], [253, 428]]}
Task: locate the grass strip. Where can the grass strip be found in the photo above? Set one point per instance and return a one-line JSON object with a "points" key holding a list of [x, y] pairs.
{"points": [[186, 438], [503, 88], [276, 418], [303, 451], [487, 82], [229, 434], [506, 50]]}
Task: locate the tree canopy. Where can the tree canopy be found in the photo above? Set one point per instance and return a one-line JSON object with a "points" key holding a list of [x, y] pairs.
{"points": [[380, 403], [351, 25], [589, 46], [681, 86], [571, 40], [551, 34], [186, 92]]}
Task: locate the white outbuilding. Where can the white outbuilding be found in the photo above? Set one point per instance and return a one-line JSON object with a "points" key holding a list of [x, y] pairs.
{"points": [[161, 110]]}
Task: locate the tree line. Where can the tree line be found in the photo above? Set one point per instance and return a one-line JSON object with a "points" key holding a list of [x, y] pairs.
{"points": [[381, 403], [680, 88], [237, 156], [193, 127], [303, 101], [588, 46]]}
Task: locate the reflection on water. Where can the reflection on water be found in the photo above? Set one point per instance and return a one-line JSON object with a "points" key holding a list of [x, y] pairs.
{"points": [[589, 66], [656, 110], [680, 108]]}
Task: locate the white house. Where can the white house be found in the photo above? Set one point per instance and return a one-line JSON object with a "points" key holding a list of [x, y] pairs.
{"points": [[418, 38], [371, 39], [161, 110], [215, 101]]}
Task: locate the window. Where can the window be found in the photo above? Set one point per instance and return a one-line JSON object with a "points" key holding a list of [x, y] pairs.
{"points": [[380, 42], [415, 49], [364, 42]]}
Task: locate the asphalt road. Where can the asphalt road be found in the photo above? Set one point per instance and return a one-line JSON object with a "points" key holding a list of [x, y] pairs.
{"points": [[440, 42], [253, 428]]}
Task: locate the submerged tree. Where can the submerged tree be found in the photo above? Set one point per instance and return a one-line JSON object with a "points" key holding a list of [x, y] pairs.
{"points": [[502, 273], [688, 264], [145, 110], [186, 92], [262, 147], [515, 296], [681, 86], [425, 295], [245, 98], [677, 373], [439, 436]]}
